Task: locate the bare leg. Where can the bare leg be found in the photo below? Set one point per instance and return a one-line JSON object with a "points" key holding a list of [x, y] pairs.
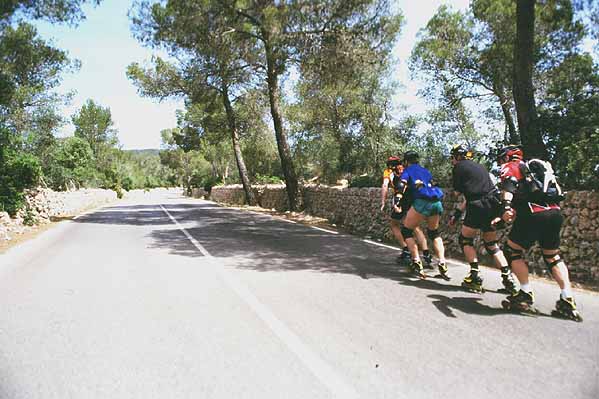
{"points": [[519, 266], [396, 230], [498, 257], [469, 250], [433, 224], [421, 238], [559, 271], [412, 220]]}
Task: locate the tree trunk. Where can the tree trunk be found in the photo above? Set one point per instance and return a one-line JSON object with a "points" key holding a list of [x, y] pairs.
{"points": [[530, 133], [274, 96], [511, 134], [250, 198]]}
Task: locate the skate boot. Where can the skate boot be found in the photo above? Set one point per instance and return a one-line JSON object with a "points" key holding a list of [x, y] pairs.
{"points": [[428, 261], [520, 302], [443, 271], [509, 286], [566, 308], [473, 282], [417, 269], [404, 257]]}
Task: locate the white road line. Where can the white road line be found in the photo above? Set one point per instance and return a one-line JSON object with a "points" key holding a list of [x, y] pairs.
{"points": [[325, 230], [382, 245], [325, 373], [286, 220]]}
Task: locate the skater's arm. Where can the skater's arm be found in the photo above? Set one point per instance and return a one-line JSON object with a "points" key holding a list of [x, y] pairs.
{"points": [[384, 190]]}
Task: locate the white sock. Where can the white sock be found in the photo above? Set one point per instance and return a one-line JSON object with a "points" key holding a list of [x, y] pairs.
{"points": [[566, 293], [525, 287]]}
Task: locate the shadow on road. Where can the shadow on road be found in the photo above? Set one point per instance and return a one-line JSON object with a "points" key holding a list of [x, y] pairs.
{"points": [[262, 243], [471, 305]]}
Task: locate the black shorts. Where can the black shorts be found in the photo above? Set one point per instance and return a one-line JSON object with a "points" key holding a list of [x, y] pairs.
{"points": [[542, 227], [405, 206], [480, 214]]}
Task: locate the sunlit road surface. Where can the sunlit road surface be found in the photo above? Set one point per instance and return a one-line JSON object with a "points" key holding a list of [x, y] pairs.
{"points": [[180, 298]]}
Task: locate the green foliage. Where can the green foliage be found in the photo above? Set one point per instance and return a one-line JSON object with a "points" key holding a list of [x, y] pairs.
{"points": [[18, 171], [366, 181], [56, 11], [261, 179], [72, 162], [341, 122], [94, 124]]}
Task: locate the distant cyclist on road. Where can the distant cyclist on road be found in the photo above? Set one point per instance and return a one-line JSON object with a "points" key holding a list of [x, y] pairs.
{"points": [[530, 199], [427, 207], [483, 211]]}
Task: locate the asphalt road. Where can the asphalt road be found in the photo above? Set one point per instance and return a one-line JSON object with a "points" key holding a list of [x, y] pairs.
{"points": [[180, 298]]}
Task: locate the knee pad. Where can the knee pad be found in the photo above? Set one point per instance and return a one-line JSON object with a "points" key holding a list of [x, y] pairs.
{"points": [[492, 247], [465, 241], [512, 254], [432, 234], [553, 260], [407, 233]]}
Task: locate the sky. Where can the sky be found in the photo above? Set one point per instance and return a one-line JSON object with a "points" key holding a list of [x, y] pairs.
{"points": [[105, 46]]}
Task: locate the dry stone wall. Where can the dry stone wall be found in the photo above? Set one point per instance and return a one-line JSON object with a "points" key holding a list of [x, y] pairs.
{"points": [[357, 210], [44, 205]]}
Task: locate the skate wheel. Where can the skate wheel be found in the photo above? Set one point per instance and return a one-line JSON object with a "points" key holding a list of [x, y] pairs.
{"points": [[574, 316], [506, 305]]}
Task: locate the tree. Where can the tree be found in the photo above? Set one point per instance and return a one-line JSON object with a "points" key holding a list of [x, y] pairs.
{"points": [[72, 162], [192, 169], [94, 124], [524, 98], [213, 62], [342, 116], [463, 60], [55, 11], [29, 69], [32, 69], [472, 54]]}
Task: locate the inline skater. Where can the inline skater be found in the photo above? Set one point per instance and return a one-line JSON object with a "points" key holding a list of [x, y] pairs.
{"points": [[399, 208], [530, 198], [482, 206], [427, 207]]}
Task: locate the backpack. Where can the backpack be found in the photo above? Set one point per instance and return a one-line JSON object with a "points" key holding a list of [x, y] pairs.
{"points": [[541, 182]]}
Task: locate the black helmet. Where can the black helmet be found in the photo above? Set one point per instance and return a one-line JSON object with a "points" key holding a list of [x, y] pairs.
{"points": [[509, 153], [411, 157], [459, 150]]}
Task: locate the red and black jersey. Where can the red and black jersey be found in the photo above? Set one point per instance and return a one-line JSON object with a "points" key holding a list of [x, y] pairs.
{"points": [[513, 179]]}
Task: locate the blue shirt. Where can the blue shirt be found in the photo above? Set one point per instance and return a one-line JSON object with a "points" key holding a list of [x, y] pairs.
{"points": [[419, 181]]}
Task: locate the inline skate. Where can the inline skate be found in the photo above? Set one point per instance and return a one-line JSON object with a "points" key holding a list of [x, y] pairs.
{"points": [[428, 261], [443, 272], [418, 269], [509, 285], [473, 282], [520, 302], [566, 308]]}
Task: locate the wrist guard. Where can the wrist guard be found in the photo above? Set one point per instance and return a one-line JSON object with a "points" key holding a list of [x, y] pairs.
{"points": [[506, 205], [397, 199]]}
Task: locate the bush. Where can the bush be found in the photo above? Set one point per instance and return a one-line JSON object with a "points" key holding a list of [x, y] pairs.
{"points": [[263, 179], [127, 183], [18, 171], [365, 181], [209, 183]]}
